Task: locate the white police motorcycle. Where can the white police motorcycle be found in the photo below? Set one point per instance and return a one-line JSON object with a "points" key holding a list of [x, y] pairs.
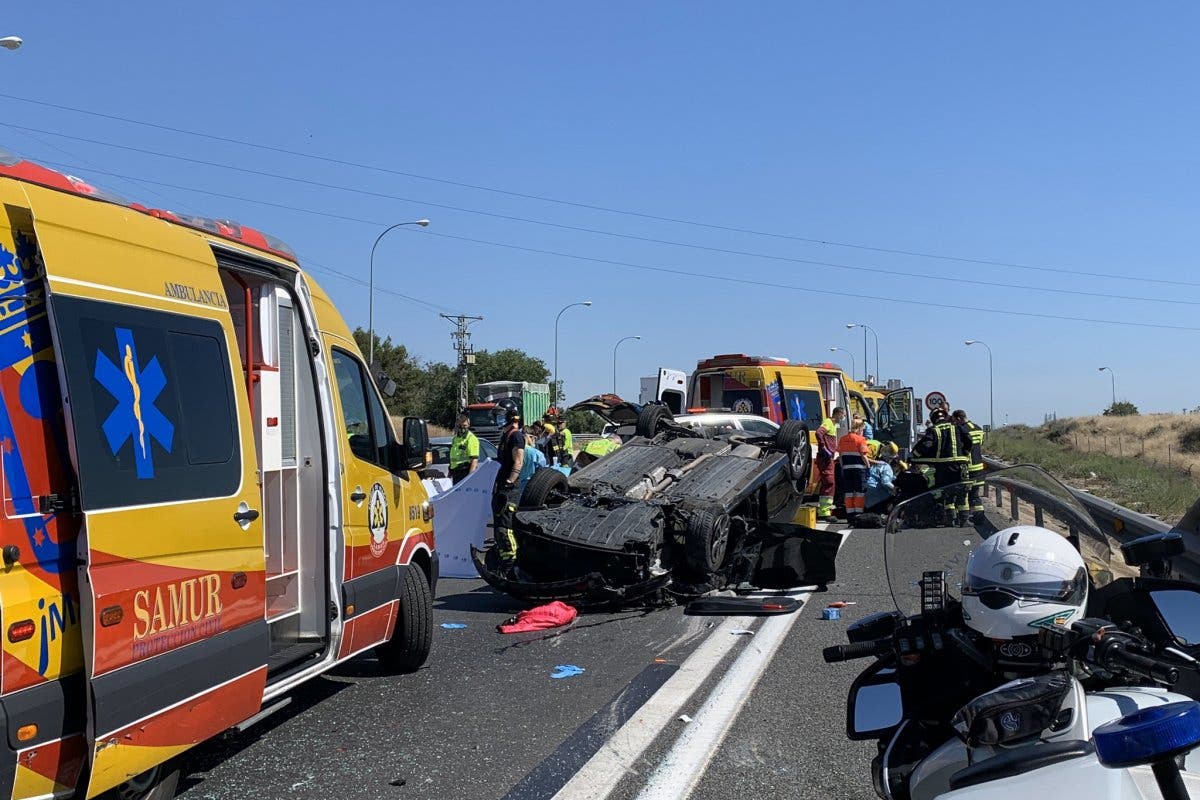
{"points": [[1016, 666]]}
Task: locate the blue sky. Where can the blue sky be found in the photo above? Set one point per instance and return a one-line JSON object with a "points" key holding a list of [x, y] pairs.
{"points": [[1057, 135]]}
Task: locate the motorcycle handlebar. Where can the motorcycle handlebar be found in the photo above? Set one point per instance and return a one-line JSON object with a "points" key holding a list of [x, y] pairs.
{"points": [[1116, 654], [848, 652]]}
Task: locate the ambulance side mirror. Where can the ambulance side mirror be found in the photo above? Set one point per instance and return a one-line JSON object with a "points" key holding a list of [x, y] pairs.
{"points": [[415, 443]]}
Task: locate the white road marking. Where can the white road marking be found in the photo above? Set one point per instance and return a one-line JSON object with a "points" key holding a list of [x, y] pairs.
{"points": [[601, 774], [616, 757], [681, 769]]}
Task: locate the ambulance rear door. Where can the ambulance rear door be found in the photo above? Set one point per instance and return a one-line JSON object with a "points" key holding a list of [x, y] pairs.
{"points": [[170, 559], [835, 394]]}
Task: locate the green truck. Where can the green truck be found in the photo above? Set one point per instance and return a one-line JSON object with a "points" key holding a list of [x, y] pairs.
{"points": [[495, 398]]}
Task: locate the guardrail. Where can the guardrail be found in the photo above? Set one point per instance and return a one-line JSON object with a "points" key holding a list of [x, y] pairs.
{"points": [[1117, 521], [1125, 525]]}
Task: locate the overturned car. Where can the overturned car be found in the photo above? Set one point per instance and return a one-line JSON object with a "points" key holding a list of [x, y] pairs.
{"points": [[671, 514]]}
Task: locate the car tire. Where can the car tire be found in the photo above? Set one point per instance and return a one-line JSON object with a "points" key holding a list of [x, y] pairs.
{"points": [[156, 783], [792, 439], [650, 418], [707, 540], [547, 487], [412, 640]]}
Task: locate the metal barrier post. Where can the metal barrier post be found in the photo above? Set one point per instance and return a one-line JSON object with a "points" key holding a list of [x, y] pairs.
{"points": [[999, 498], [1038, 518], [1014, 514]]}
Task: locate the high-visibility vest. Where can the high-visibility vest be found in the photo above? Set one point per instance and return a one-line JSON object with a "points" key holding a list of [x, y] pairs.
{"points": [[463, 449], [977, 435], [946, 446]]}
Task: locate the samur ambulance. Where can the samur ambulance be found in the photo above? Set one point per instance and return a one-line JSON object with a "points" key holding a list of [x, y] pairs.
{"points": [[205, 502], [778, 389]]}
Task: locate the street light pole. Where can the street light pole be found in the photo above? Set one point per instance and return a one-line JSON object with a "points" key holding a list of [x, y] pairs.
{"points": [[615, 346], [853, 366], [866, 363], [424, 223], [991, 384], [1112, 375], [555, 391]]}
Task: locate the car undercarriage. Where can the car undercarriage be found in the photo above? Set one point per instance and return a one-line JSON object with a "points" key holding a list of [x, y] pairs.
{"points": [[671, 514]]}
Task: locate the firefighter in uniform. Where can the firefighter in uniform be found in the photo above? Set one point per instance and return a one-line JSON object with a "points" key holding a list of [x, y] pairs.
{"points": [[504, 493], [565, 440], [947, 448], [976, 435]]}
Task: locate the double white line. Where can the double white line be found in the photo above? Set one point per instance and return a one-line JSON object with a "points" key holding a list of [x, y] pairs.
{"points": [[679, 772]]}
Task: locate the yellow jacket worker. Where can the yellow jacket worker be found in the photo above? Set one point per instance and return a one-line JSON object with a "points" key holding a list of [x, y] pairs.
{"points": [[464, 450]]}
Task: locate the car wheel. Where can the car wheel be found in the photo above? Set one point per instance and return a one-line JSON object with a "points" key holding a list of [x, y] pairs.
{"points": [[792, 439], [409, 646], [547, 487], [156, 783], [707, 540], [650, 418]]}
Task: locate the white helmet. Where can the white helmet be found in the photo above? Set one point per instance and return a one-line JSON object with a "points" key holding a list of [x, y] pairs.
{"points": [[1021, 579]]}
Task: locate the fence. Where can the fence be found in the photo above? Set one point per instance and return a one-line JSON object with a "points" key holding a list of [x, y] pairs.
{"points": [[1119, 445]]}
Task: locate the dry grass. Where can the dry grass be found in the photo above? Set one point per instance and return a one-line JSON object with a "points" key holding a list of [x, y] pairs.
{"points": [[1075, 451], [434, 430], [1172, 440]]}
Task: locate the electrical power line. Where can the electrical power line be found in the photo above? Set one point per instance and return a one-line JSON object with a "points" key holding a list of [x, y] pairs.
{"points": [[594, 207], [615, 234], [684, 273], [425, 305], [811, 290]]}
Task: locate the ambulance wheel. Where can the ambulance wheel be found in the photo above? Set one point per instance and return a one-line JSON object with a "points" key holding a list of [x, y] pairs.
{"points": [[792, 439], [409, 646], [649, 419], [546, 487], [706, 541], [157, 783]]}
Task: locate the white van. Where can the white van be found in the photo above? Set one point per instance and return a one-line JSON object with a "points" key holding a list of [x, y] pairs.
{"points": [[668, 387]]}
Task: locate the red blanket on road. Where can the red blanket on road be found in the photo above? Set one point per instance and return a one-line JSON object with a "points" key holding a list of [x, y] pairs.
{"points": [[551, 615]]}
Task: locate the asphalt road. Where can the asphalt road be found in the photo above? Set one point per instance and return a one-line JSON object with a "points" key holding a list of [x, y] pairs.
{"points": [[484, 718]]}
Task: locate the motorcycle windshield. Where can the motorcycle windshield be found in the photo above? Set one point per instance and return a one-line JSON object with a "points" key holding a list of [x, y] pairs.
{"points": [[921, 537]]}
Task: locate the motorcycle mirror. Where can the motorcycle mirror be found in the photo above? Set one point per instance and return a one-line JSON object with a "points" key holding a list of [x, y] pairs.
{"points": [[875, 705], [877, 708], [1153, 553], [1180, 612]]}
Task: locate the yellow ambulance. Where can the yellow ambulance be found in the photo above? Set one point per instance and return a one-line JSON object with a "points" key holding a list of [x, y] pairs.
{"points": [[205, 502], [778, 389]]}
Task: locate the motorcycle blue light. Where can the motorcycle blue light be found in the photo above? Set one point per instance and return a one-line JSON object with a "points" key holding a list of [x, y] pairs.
{"points": [[1148, 735]]}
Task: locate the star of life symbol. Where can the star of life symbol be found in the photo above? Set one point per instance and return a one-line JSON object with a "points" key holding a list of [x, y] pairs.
{"points": [[135, 417], [377, 517]]}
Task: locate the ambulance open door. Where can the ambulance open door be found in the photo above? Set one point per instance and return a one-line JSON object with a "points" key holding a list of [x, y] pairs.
{"points": [[170, 560], [894, 422]]}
